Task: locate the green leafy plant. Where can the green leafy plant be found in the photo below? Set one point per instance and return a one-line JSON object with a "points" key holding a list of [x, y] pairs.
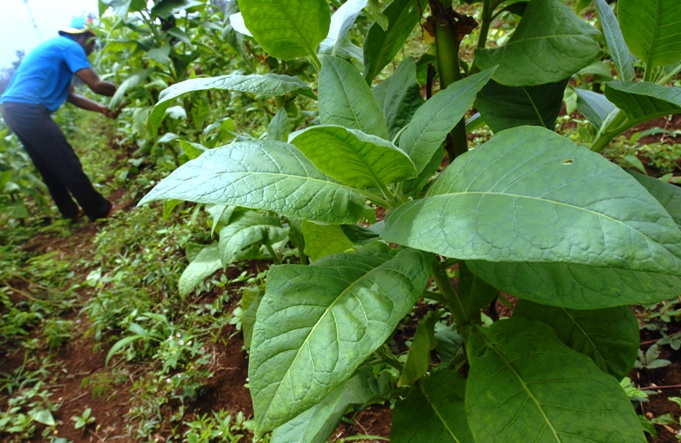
{"points": [[650, 358], [242, 232], [529, 212], [57, 332], [18, 180], [29, 406], [220, 427], [84, 420]]}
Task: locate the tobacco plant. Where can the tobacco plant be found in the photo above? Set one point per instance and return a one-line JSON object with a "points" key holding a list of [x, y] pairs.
{"points": [[574, 237]]}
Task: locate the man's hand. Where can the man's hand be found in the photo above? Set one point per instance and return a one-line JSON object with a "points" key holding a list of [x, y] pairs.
{"points": [[110, 112]]}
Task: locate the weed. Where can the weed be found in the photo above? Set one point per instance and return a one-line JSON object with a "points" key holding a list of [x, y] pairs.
{"points": [[650, 359], [103, 384], [218, 427], [82, 421], [28, 406], [57, 332]]}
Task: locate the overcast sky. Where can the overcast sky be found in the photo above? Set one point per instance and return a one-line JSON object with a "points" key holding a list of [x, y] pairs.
{"points": [[18, 32]]}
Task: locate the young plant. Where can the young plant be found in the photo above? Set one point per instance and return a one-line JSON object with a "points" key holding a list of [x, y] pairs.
{"points": [[573, 236], [82, 421]]}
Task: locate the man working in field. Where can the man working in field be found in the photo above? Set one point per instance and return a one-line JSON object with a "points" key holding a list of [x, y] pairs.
{"points": [[39, 87]]}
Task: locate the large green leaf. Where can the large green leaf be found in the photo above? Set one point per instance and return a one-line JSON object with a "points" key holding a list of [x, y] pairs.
{"points": [[380, 46], [530, 195], [246, 229], [346, 100], [436, 118], [399, 96], [322, 240], [541, 390], [651, 29], [318, 423], [205, 264], [594, 106], [269, 175], [643, 101], [317, 324], [353, 157], [610, 337], [266, 84], [613, 35], [550, 44], [668, 195], [433, 412], [287, 29], [580, 286], [505, 107]]}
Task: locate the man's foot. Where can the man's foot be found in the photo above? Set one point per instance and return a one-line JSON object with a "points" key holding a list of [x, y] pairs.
{"points": [[77, 216]]}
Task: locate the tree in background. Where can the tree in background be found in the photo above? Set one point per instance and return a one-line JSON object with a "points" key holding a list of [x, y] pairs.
{"points": [[6, 73]]}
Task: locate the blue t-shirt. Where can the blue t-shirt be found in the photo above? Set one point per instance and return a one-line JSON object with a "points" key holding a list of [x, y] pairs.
{"points": [[44, 75]]}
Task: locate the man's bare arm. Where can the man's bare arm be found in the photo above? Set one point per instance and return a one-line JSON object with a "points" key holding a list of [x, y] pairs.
{"points": [[97, 85], [89, 105]]}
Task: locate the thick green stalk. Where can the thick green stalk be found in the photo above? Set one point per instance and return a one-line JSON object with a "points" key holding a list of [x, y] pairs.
{"points": [[447, 47]]}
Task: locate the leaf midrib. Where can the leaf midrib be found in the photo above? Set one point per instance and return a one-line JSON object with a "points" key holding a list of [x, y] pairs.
{"points": [[439, 415], [346, 95], [545, 37], [584, 333], [653, 39], [247, 173], [425, 132], [525, 387], [554, 202], [363, 160], [302, 36], [328, 311]]}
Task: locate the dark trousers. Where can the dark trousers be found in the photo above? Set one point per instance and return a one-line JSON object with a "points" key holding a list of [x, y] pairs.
{"points": [[55, 160]]}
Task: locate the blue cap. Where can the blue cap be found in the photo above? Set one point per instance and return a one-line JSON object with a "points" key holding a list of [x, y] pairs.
{"points": [[79, 25]]}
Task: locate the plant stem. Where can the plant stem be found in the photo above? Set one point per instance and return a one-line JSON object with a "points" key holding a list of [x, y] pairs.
{"points": [[666, 78], [486, 22], [150, 25], [379, 200], [315, 61], [613, 128], [447, 48], [444, 283], [647, 73], [651, 387], [273, 254]]}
